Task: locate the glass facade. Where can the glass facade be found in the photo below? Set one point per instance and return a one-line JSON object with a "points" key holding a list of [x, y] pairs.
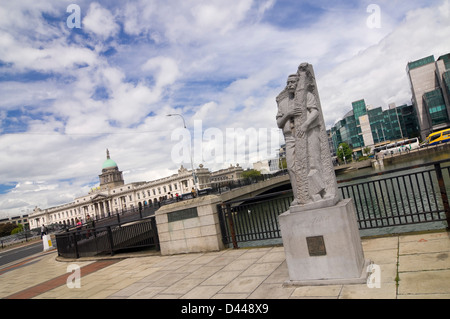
{"points": [[446, 78], [421, 62], [386, 125], [436, 107], [359, 109]]}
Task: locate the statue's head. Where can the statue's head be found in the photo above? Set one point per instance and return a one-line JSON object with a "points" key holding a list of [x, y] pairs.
{"points": [[292, 83], [303, 67]]}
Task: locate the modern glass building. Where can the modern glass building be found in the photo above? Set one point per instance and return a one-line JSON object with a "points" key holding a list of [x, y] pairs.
{"points": [[430, 87], [369, 127]]}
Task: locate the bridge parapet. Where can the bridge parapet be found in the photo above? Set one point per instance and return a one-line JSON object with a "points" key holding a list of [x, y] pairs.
{"points": [[254, 189]]}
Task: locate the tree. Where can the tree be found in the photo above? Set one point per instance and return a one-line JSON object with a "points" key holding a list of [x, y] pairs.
{"points": [[367, 150], [251, 173], [6, 229], [282, 164], [344, 151], [18, 229]]}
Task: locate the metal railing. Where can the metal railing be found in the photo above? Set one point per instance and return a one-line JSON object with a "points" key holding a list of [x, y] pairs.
{"points": [[91, 241], [411, 195]]}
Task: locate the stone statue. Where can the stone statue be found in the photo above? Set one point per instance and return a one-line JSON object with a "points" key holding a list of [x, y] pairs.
{"points": [[308, 155]]}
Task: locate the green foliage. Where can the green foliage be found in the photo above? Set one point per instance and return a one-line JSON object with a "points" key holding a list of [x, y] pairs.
{"points": [[282, 164], [366, 151], [18, 229], [6, 229], [251, 173], [344, 150]]}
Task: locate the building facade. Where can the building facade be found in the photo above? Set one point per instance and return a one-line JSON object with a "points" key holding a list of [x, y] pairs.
{"points": [[430, 86], [16, 220], [365, 126], [114, 196]]}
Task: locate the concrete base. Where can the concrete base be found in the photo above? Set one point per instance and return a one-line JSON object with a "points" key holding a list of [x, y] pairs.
{"points": [[323, 246]]}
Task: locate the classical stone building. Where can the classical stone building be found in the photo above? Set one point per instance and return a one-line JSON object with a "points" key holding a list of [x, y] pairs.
{"points": [[230, 174], [114, 196]]}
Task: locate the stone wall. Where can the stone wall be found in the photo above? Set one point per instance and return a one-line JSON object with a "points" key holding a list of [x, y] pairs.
{"points": [[190, 226]]}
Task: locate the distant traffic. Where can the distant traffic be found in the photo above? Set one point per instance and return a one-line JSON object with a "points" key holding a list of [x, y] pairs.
{"points": [[398, 147], [437, 138]]}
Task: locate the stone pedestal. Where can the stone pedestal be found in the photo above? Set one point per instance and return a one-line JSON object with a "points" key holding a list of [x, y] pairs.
{"points": [[323, 245]]}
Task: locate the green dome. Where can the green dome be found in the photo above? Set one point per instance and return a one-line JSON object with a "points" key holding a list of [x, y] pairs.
{"points": [[109, 163]]}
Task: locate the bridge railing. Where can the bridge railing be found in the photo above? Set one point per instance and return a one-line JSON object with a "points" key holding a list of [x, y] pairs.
{"points": [[91, 241], [219, 187], [411, 195]]}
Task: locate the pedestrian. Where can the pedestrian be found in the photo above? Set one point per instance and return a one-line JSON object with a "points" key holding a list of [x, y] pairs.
{"points": [[78, 223], [43, 230], [89, 225], [193, 192]]}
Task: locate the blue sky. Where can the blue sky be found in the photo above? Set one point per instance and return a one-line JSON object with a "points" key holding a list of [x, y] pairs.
{"points": [[67, 94]]}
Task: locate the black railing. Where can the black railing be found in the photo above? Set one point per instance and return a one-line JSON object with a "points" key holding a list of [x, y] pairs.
{"points": [[411, 195], [219, 187], [256, 220], [89, 241]]}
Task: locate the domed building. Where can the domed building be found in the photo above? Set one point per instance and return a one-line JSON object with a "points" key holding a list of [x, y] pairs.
{"points": [[113, 196], [111, 176]]}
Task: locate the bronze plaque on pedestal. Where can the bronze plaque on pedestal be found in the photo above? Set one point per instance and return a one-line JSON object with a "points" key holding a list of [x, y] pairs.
{"points": [[316, 246]]}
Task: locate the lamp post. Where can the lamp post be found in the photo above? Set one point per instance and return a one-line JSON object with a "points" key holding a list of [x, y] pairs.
{"points": [[341, 148], [190, 151]]}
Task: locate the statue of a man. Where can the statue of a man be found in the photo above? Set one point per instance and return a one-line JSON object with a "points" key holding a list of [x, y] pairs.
{"points": [[285, 121], [307, 152]]}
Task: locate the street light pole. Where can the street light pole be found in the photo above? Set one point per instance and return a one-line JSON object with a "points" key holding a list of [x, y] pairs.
{"points": [[190, 151]]}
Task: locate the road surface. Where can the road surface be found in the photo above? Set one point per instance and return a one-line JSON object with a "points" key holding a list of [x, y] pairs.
{"points": [[18, 253]]}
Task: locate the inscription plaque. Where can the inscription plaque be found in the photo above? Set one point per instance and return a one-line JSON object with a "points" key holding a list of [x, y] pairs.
{"points": [[316, 246], [182, 214]]}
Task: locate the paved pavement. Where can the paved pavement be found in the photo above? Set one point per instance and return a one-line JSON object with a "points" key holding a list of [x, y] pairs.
{"points": [[412, 266]]}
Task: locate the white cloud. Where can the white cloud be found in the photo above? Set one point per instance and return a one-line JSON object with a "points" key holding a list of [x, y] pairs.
{"points": [[165, 70], [211, 61], [100, 21]]}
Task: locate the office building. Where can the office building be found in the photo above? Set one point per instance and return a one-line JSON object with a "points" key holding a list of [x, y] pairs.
{"points": [[430, 87], [365, 126]]}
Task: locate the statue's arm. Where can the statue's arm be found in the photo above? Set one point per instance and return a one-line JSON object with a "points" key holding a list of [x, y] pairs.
{"points": [[282, 119], [313, 114]]}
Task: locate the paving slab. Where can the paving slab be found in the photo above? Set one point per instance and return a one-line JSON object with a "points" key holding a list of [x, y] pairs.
{"points": [[424, 282], [421, 263], [426, 261], [243, 284], [386, 291], [331, 291]]}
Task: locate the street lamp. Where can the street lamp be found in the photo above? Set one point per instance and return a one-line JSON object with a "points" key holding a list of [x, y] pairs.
{"points": [[190, 150], [341, 148]]}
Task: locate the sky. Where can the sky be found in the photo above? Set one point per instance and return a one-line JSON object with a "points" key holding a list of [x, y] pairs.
{"points": [[78, 77]]}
